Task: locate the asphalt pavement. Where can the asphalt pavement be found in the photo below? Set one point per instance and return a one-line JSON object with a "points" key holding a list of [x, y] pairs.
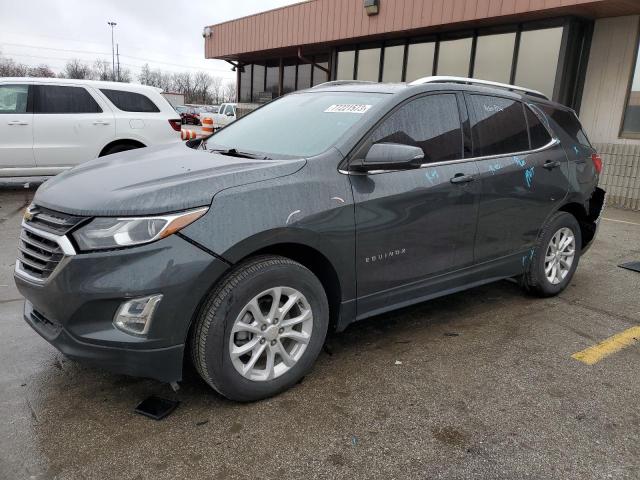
{"points": [[480, 384]]}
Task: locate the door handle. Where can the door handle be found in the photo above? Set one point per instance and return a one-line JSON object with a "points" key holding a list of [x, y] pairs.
{"points": [[462, 178], [17, 122], [550, 164], [101, 122]]}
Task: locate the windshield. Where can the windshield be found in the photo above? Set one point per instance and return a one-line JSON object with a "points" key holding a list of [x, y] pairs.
{"points": [[300, 125]]}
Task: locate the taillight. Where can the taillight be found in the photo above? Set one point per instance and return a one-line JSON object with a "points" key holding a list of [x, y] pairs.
{"points": [[176, 124], [597, 162]]}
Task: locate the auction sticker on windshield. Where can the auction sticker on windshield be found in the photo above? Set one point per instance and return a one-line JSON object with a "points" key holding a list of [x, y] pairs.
{"points": [[348, 108]]}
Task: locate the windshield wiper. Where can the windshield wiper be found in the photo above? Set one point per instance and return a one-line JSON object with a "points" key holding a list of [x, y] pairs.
{"points": [[234, 152]]}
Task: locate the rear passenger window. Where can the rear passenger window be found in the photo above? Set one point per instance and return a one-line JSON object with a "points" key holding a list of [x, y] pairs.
{"points": [[130, 101], [58, 99], [431, 123], [537, 131], [499, 128]]}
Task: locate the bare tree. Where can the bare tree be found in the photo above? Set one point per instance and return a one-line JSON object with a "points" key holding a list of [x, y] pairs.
{"points": [[41, 71], [230, 92], [216, 89], [101, 70], [125, 75], [183, 83], [76, 69], [201, 83], [9, 68], [145, 76]]}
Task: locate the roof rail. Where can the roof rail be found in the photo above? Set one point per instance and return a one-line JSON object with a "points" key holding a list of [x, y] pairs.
{"points": [[335, 83], [475, 81]]}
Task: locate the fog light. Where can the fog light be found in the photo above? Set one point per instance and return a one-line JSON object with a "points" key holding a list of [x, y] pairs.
{"points": [[135, 315]]}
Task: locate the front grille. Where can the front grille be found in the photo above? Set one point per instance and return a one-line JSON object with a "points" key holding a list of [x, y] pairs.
{"points": [[51, 221], [43, 233], [38, 256]]}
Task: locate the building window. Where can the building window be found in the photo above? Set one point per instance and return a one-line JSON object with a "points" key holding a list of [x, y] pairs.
{"points": [[245, 84], [494, 56], [393, 59], [538, 59], [319, 75], [631, 122], [346, 61], [289, 76], [304, 76], [420, 60], [258, 83], [272, 85], [454, 57], [369, 64]]}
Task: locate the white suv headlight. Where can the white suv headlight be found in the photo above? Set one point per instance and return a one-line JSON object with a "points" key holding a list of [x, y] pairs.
{"points": [[111, 232]]}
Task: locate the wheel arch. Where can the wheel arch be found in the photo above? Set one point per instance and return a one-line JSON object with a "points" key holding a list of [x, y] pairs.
{"points": [[587, 228], [318, 264], [121, 141]]}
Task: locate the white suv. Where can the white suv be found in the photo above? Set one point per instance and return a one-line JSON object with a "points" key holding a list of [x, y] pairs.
{"points": [[48, 125]]}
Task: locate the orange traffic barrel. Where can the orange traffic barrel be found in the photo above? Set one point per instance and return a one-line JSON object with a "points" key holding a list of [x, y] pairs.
{"points": [[207, 125], [187, 134]]}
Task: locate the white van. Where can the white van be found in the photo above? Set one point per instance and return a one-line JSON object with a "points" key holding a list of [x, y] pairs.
{"points": [[48, 125]]}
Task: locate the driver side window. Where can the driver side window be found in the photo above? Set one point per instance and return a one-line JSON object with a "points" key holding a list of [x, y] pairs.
{"points": [[431, 123]]}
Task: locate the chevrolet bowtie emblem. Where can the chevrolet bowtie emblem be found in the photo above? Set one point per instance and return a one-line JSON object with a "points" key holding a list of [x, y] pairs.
{"points": [[28, 214]]}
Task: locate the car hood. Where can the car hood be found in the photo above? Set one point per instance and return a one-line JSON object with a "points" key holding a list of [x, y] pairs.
{"points": [[153, 180]]}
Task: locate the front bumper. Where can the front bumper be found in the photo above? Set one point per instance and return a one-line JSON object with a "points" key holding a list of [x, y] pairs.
{"points": [[74, 308], [164, 364]]}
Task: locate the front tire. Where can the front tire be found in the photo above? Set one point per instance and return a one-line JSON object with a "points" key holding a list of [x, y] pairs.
{"points": [[555, 256], [261, 329]]}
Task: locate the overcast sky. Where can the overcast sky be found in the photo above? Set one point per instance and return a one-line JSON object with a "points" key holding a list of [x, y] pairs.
{"points": [[166, 34]]}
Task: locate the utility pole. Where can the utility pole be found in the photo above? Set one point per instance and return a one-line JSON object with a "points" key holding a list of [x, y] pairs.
{"points": [[113, 56], [118, 57]]}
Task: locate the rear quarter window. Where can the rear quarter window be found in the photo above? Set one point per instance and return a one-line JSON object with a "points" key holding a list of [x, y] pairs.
{"points": [[567, 125], [537, 131], [130, 101]]}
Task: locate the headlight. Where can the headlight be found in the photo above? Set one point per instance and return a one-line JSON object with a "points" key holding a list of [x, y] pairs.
{"points": [[111, 232]]}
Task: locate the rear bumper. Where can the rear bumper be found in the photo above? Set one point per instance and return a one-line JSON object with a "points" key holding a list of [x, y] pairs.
{"points": [[597, 204]]}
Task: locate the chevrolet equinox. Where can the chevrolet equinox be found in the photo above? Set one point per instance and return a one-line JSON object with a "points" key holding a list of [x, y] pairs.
{"points": [[319, 209]]}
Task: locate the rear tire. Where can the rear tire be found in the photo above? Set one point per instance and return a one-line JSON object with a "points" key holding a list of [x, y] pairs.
{"points": [[248, 348], [555, 257]]}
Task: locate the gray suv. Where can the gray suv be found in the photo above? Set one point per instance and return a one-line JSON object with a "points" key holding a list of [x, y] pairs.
{"points": [[322, 208]]}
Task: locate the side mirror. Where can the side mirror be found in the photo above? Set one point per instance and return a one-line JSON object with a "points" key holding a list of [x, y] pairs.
{"points": [[229, 114], [390, 156]]}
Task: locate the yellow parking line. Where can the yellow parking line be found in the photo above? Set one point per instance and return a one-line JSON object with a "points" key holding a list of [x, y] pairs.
{"points": [[609, 346]]}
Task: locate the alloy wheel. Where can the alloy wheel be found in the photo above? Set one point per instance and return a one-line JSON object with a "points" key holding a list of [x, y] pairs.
{"points": [[560, 255], [271, 333]]}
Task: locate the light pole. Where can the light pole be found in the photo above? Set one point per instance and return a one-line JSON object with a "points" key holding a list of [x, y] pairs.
{"points": [[113, 55]]}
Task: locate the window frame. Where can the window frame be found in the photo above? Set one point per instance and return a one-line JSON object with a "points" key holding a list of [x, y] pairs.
{"points": [[622, 134]]}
